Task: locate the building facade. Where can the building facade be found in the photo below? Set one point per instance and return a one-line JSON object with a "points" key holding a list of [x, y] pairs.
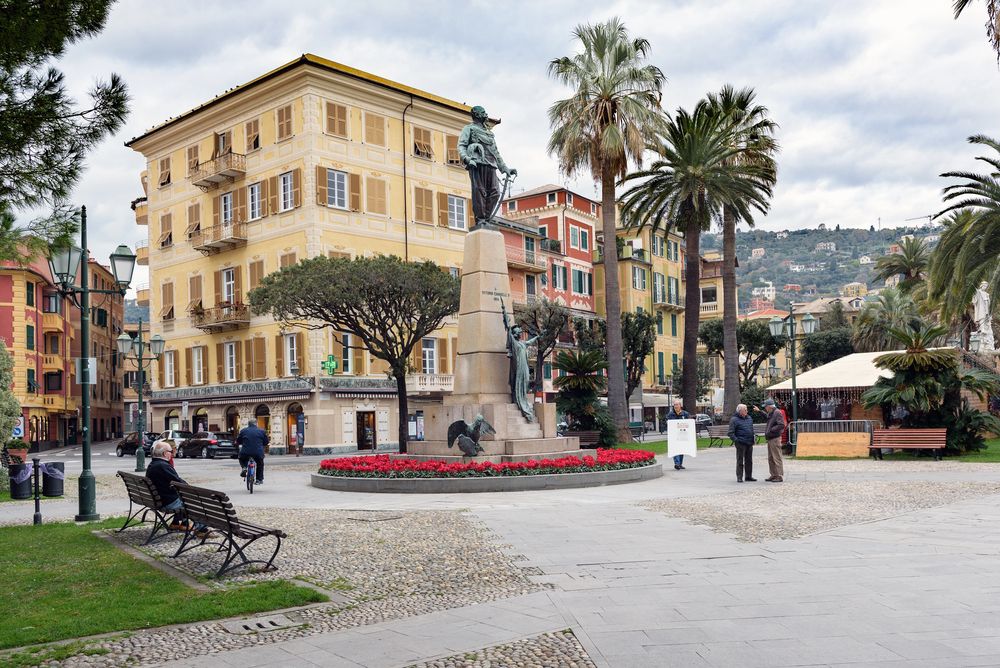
{"points": [[313, 158]]}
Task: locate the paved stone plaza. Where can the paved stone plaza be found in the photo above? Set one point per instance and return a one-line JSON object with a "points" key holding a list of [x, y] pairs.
{"points": [[856, 563]]}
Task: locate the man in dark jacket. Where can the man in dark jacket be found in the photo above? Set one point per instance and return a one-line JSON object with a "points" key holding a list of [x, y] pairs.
{"points": [[741, 434], [678, 413], [252, 441], [161, 473], [772, 432]]}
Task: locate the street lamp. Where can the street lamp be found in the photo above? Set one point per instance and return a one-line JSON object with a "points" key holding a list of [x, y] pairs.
{"points": [[975, 342], [136, 349], [65, 268], [786, 326]]}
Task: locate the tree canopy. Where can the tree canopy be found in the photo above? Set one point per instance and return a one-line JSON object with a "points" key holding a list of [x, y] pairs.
{"points": [[754, 343], [10, 409], [544, 320], [638, 338], [388, 304]]}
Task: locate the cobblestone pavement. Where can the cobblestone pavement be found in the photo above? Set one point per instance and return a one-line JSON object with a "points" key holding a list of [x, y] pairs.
{"points": [[549, 650], [793, 509], [886, 466]]}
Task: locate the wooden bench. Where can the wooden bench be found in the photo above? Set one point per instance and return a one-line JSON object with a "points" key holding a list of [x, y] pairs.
{"points": [[909, 439], [718, 434], [143, 499], [214, 509], [758, 431], [588, 439]]}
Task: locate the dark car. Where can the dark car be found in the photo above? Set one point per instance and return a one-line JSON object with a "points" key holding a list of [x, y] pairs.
{"points": [[209, 444], [128, 445], [703, 420]]}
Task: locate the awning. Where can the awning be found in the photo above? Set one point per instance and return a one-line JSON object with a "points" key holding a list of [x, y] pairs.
{"points": [[856, 370], [657, 400]]}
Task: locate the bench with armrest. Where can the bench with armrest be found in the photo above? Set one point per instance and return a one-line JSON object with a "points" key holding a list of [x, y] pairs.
{"points": [[909, 439], [718, 434], [214, 509], [143, 499], [588, 439]]}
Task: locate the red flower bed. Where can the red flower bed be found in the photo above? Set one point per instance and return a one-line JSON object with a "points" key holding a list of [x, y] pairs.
{"points": [[381, 466]]}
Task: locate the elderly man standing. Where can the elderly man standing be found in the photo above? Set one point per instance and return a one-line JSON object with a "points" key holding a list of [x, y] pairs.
{"points": [[772, 432], [678, 413], [741, 434], [161, 472]]}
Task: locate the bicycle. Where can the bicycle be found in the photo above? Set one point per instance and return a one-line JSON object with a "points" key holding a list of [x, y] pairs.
{"points": [[251, 474]]}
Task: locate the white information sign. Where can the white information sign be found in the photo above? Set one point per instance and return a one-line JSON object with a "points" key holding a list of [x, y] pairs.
{"points": [[682, 438]]}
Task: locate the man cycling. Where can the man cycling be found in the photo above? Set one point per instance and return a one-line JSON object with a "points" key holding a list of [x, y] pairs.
{"points": [[251, 442]]}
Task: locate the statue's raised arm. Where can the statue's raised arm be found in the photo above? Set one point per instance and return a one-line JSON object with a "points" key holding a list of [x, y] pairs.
{"points": [[503, 311]]}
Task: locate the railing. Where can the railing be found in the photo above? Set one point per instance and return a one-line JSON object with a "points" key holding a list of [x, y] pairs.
{"points": [[524, 258], [220, 237], [430, 382], [52, 361], [222, 169], [710, 307], [222, 317], [625, 253], [523, 298], [52, 322], [551, 245]]}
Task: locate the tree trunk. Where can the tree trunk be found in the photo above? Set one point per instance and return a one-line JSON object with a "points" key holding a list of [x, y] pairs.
{"points": [[692, 312], [613, 309], [404, 409], [730, 348]]}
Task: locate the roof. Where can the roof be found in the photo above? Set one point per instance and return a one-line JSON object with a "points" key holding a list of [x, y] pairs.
{"points": [[308, 59], [857, 370], [764, 313], [822, 305], [547, 188]]}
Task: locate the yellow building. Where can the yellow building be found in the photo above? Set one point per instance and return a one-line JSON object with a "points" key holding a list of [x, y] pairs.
{"points": [[853, 290], [313, 158]]}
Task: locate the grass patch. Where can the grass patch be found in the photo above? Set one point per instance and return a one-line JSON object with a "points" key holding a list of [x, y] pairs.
{"points": [[61, 581], [659, 447], [37, 656]]}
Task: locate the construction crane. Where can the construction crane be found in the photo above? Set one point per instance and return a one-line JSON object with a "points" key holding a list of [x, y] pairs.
{"points": [[929, 218]]}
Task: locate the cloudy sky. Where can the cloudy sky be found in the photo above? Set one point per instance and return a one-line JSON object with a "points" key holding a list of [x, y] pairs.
{"points": [[875, 98]]}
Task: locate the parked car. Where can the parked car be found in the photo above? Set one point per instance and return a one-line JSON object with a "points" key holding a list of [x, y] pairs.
{"points": [[129, 444], [209, 444], [703, 421], [174, 438]]}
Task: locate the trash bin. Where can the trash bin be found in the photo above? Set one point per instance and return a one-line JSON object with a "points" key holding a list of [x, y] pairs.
{"points": [[20, 481], [53, 476]]}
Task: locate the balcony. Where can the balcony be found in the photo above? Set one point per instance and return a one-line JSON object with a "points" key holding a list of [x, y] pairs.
{"points": [[52, 322], [711, 308], [218, 238], [668, 302], [429, 383], [53, 362], [142, 294], [221, 318], [624, 253], [141, 208], [223, 169], [551, 245], [142, 252], [529, 261], [523, 298]]}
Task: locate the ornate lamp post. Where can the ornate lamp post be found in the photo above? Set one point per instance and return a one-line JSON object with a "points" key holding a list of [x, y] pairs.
{"points": [[65, 267], [136, 350], [786, 326]]}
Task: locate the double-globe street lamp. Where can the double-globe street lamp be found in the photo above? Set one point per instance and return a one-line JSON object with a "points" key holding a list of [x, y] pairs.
{"points": [[786, 326], [65, 268], [135, 349]]}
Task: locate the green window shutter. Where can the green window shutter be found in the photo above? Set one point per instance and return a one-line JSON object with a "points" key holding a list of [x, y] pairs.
{"points": [[659, 366], [659, 324], [675, 362], [673, 324], [547, 370], [590, 284], [29, 335]]}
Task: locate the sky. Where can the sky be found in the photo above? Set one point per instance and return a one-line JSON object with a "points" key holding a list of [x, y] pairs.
{"points": [[874, 98]]}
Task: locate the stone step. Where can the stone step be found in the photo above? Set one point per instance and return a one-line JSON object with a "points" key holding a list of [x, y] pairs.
{"points": [[540, 445]]}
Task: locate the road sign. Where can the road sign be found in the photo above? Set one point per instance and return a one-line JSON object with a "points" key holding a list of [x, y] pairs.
{"points": [[330, 365], [18, 428]]}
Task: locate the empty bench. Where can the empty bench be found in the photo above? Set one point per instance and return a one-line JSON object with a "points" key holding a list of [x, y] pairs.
{"points": [[909, 439], [588, 439], [214, 509], [718, 434], [143, 499]]}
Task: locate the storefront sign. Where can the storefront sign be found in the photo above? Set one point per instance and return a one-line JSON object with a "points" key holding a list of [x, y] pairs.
{"points": [[351, 383], [263, 387]]}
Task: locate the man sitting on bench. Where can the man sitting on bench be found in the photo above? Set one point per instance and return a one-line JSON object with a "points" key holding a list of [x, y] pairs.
{"points": [[161, 473]]}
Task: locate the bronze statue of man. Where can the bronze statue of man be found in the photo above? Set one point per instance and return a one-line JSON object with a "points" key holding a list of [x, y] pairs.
{"points": [[478, 149]]}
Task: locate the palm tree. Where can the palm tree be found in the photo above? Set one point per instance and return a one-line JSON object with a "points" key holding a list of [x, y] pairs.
{"points": [[892, 309], [910, 262], [992, 20], [580, 385], [695, 174], [603, 126], [753, 135]]}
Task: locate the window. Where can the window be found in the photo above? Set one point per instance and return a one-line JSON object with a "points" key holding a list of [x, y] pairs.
{"points": [[569, 199], [228, 285], [284, 122], [547, 370], [168, 369], [638, 278], [584, 239], [451, 144], [558, 277], [336, 189], [659, 287], [574, 236], [194, 220], [529, 286], [676, 363], [287, 260], [673, 290], [659, 324], [32, 381], [164, 172], [657, 248], [51, 303], [223, 143], [709, 294], [197, 362], [256, 273], [374, 129], [287, 188], [428, 356], [53, 381], [29, 336], [375, 192], [167, 301], [345, 353], [512, 205], [51, 344], [254, 201], [192, 159], [454, 272], [336, 119], [423, 205], [593, 209], [229, 361], [422, 143], [290, 342], [29, 293], [226, 204], [253, 135], [673, 324], [659, 368], [457, 217], [166, 233], [550, 198], [582, 282]]}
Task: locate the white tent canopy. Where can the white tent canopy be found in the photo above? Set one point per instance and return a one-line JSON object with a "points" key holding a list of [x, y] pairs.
{"points": [[856, 370]]}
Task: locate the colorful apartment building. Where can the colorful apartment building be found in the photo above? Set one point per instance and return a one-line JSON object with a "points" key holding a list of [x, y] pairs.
{"points": [[42, 332], [313, 158]]}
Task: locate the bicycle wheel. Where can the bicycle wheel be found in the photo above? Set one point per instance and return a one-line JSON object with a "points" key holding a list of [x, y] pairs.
{"points": [[251, 475]]}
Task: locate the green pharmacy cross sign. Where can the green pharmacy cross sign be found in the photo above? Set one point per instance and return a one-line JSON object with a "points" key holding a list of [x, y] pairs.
{"points": [[330, 365]]}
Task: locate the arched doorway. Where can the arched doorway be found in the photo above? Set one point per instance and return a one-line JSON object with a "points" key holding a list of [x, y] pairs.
{"points": [[200, 420], [172, 420], [263, 415], [294, 428], [233, 420]]}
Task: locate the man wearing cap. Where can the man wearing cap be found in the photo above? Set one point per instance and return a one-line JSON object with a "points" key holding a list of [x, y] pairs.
{"points": [[772, 432]]}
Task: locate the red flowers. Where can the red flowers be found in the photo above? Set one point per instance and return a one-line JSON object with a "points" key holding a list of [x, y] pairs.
{"points": [[381, 466]]}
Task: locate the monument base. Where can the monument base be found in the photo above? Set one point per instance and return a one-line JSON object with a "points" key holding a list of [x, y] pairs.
{"points": [[495, 459]]}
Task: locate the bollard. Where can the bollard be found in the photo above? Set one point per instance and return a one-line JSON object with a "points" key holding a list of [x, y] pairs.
{"points": [[140, 457], [38, 499]]}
